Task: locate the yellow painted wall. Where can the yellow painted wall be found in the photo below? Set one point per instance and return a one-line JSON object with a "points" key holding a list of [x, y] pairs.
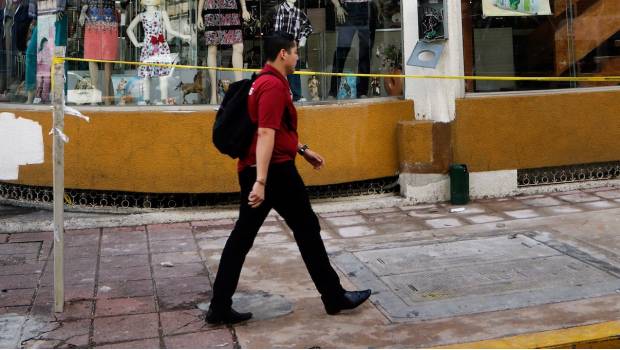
{"points": [[532, 131], [160, 151]]}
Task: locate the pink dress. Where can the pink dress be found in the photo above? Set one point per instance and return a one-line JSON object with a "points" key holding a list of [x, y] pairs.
{"points": [[101, 30]]}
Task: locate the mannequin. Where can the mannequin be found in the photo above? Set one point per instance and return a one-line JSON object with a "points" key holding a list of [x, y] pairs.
{"points": [[354, 16], [100, 23], [154, 45], [291, 20], [222, 27]]}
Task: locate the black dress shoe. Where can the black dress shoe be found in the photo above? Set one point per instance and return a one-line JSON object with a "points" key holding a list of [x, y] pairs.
{"points": [[348, 301], [226, 317]]}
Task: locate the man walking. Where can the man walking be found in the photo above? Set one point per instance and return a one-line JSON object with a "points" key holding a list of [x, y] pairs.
{"points": [[269, 179]]}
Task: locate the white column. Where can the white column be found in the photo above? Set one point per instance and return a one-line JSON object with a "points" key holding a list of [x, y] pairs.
{"points": [[434, 99]]}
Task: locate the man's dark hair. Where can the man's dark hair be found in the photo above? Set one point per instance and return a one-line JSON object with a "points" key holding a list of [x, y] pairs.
{"points": [[275, 42]]}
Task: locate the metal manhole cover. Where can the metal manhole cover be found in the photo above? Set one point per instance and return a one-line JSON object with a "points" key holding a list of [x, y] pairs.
{"points": [[480, 275]]}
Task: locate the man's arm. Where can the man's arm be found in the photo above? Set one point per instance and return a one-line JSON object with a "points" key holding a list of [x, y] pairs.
{"points": [[315, 159], [264, 148]]}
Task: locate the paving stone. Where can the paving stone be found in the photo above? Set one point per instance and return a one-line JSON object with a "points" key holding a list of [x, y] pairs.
{"points": [[125, 229], [356, 231], [124, 249], [269, 228], [214, 339], [125, 289], [20, 248], [169, 246], [75, 310], [122, 261], [395, 216], [182, 321], [579, 197], [81, 252], [151, 343], [212, 223], [73, 292], [380, 211], [609, 194], [428, 213], [180, 226], [67, 334], [125, 306], [560, 209], [532, 196], [19, 281], [599, 189], [346, 220], [111, 239], [4, 238], [177, 285], [175, 258], [338, 213], [508, 205], [125, 274], [126, 327], [420, 207], [271, 238], [213, 233], [398, 227], [183, 301], [599, 205], [17, 310], [26, 268], [212, 244], [523, 214], [16, 297], [563, 193], [73, 275], [444, 222], [31, 236], [179, 270], [78, 238], [542, 202], [483, 219], [170, 236], [470, 209]]}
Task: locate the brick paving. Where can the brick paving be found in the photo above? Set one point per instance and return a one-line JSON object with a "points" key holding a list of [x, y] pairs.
{"points": [[121, 291]]}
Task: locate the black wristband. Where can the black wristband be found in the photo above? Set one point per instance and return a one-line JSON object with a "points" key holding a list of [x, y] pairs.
{"points": [[303, 149]]}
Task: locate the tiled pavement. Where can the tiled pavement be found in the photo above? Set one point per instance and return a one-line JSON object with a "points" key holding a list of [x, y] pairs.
{"points": [[139, 286]]}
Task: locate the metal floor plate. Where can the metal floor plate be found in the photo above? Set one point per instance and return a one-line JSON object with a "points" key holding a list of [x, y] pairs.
{"points": [[488, 274]]}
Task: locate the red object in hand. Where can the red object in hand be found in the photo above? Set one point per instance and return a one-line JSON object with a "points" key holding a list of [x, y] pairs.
{"points": [[157, 39]]}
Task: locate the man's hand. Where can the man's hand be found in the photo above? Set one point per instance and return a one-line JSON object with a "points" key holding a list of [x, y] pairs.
{"points": [[257, 196], [341, 14], [314, 159]]}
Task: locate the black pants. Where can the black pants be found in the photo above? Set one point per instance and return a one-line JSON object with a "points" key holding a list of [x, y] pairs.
{"points": [[286, 193]]}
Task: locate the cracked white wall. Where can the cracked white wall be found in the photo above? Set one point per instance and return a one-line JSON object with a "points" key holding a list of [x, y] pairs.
{"points": [[21, 143]]}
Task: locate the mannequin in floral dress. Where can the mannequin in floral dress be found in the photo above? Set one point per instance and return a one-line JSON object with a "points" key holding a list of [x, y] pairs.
{"points": [[100, 21], [155, 48], [222, 25]]}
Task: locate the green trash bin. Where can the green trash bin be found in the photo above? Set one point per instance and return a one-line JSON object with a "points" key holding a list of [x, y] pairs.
{"points": [[459, 184]]}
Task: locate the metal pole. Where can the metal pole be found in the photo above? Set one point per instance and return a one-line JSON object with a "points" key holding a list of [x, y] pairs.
{"points": [[58, 100]]}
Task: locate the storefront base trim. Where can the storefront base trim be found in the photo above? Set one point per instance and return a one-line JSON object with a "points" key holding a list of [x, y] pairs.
{"points": [[433, 188]]}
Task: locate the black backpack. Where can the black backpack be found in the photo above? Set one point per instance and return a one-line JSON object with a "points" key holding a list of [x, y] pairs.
{"points": [[233, 129]]}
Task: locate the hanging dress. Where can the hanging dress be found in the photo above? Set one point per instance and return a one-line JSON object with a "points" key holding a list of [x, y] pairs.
{"points": [[155, 44]]}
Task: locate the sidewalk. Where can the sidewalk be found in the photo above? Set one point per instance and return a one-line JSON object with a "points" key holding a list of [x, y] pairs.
{"points": [[529, 271]]}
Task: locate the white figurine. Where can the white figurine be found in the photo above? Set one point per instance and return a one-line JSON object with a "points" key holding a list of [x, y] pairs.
{"points": [[155, 48], [313, 88]]}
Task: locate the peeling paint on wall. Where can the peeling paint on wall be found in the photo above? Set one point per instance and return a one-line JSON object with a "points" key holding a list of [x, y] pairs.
{"points": [[21, 143]]}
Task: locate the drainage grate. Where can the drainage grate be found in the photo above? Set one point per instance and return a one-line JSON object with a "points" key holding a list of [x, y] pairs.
{"points": [[568, 174], [116, 199]]}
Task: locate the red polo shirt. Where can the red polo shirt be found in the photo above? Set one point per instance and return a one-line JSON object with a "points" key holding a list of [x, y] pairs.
{"points": [[270, 96]]}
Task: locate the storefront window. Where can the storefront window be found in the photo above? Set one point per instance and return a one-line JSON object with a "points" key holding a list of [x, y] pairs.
{"points": [[342, 36], [553, 38]]}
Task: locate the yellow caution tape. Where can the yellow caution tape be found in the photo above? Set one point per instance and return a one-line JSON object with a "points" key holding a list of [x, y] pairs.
{"points": [[397, 76]]}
